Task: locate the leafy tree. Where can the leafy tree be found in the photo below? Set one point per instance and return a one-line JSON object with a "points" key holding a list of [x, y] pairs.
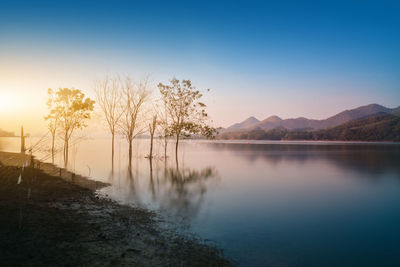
{"points": [[187, 114], [71, 109]]}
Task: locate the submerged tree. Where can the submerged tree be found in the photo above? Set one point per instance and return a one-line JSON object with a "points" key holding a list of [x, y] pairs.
{"points": [[164, 126], [108, 93], [134, 96], [152, 129], [187, 114], [72, 109]]}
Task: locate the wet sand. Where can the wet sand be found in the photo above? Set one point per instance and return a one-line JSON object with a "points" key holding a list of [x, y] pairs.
{"points": [[51, 220]]}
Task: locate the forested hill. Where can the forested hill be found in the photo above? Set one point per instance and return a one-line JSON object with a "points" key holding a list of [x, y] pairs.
{"points": [[381, 127], [292, 124], [6, 134]]}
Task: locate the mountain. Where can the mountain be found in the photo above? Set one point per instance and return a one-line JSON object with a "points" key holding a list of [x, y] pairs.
{"points": [[396, 111], [310, 124], [379, 127], [6, 134], [272, 119], [249, 122], [353, 114], [298, 123]]}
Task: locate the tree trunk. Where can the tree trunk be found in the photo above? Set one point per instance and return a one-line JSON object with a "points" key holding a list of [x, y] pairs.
{"points": [[151, 146], [112, 151], [52, 148], [130, 151], [176, 148], [165, 146], [66, 153]]}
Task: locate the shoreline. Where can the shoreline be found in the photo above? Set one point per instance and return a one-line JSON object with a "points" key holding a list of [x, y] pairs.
{"points": [[302, 142], [21, 159], [60, 220]]}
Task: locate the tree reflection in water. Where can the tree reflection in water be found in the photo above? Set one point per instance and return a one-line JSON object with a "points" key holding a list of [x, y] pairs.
{"points": [[186, 190], [179, 191]]}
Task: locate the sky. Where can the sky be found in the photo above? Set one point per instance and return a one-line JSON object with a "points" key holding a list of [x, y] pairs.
{"points": [[259, 58]]}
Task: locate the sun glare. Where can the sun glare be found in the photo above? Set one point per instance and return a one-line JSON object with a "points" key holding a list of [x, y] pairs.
{"points": [[7, 102]]}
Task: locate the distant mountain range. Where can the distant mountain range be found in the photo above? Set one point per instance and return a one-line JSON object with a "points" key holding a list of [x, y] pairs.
{"points": [[367, 123], [6, 134], [302, 123], [380, 127]]}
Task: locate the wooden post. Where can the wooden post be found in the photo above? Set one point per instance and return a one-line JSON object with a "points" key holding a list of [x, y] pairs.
{"points": [[22, 140], [32, 160]]}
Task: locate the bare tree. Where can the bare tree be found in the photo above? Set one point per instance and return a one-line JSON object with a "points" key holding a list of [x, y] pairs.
{"points": [[108, 92], [53, 121], [134, 96]]}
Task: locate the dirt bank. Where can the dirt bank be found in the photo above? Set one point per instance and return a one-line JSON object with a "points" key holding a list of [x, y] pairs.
{"points": [[46, 220]]}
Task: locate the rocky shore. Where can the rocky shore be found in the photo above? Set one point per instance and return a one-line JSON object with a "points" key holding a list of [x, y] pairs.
{"points": [[49, 220]]}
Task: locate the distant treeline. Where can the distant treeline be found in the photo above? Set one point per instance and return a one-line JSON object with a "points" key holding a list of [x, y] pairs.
{"points": [[6, 134], [375, 128]]}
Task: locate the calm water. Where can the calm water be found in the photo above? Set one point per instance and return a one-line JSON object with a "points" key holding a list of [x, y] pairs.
{"points": [[271, 203]]}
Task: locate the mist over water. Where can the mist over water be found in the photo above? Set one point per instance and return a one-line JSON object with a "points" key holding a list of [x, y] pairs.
{"points": [[265, 203]]}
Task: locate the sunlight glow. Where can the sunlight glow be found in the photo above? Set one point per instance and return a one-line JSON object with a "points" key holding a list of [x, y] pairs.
{"points": [[7, 102]]}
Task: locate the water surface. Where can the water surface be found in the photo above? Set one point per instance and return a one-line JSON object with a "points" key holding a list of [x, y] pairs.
{"points": [[265, 203]]}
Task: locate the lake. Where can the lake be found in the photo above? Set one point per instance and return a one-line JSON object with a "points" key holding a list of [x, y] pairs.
{"points": [[264, 203]]}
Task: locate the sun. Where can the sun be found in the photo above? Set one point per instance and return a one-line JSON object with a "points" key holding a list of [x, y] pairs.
{"points": [[7, 102]]}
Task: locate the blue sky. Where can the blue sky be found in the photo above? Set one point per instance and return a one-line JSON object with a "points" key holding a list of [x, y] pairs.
{"points": [[289, 58]]}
